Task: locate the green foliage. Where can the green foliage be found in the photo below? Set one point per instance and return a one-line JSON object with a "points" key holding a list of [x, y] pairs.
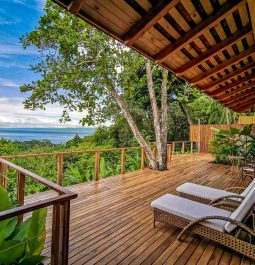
{"points": [[21, 243], [233, 142]]}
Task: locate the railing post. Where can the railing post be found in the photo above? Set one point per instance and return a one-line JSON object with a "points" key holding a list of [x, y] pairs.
{"points": [[123, 161], [60, 169], [1, 175], [191, 147], [155, 152], [169, 152], [60, 233], [20, 192], [97, 163], [183, 147], [173, 148], [142, 157]]}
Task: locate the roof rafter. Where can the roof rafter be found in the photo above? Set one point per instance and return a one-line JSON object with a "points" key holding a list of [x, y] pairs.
{"points": [[150, 19], [215, 49], [240, 95], [240, 81], [229, 76], [75, 6], [224, 65], [237, 90], [241, 101], [211, 21], [244, 107]]}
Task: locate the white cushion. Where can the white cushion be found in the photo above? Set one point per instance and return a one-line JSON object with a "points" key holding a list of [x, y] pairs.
{"points": [[245, 192], [242, 211], [202, 191], [191, 210]]}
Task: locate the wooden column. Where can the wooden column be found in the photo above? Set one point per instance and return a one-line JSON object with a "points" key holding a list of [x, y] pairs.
{"points": [[191, 147], [142, 157], [123, 161], [173, 148], [97, 164], [20, 192], [60, 233], [169, 152], [60, 170], [183, 147]]}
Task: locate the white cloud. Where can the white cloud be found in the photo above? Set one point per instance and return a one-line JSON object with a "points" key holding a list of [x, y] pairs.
{"points": [[9, 83], [12, 21], [13, 114], [15, 49]]}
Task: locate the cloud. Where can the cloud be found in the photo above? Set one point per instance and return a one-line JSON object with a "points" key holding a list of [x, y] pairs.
{"points": [[35, 5], [9, 83], [12, 21], [13, 114], [15, 49]]}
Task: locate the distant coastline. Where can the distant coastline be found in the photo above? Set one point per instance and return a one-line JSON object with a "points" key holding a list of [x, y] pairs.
{"points": [[55, 135]]}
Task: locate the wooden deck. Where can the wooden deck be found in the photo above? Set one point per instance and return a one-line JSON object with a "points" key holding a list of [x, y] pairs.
{"points": [[111, 221]]}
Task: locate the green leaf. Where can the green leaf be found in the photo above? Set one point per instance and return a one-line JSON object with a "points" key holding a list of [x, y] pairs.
{"points": [[20, 232], [36, 233], [246, 130], [32, 260], [10, 251], [10, 227], [4, 205], [234, 131]]}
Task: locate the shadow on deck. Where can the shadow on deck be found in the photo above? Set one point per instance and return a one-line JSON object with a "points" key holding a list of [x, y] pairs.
{"points": [[111, 221]]}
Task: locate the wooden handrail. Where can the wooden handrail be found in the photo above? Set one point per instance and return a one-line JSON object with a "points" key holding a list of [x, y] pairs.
{"points": [[61, 202]]}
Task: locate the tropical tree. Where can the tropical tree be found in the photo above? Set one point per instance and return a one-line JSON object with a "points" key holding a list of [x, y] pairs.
{"points": [[84, 70]]}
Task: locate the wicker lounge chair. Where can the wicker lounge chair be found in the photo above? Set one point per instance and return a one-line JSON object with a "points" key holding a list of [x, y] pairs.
{"points": [[206, 194], [217, 224]]}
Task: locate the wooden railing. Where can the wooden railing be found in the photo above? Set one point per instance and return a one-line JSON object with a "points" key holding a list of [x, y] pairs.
{"points": [[61, 208], [183, 147], [61, 155]]}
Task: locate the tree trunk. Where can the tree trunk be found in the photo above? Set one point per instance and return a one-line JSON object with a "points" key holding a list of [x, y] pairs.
{"points": [[124, 108], [155, 111], [186, 112], [164, 120]]}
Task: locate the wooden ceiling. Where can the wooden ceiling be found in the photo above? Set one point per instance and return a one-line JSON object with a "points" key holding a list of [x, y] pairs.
{"points": [[209, 43]]}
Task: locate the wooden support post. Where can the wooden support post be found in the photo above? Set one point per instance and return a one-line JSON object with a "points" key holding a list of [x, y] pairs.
{"points": [[5, 184], [142, 157], [20, 192], [97, 164], [173, 148], [123, 161], [191, 147], [183, 147], [60, 233], [169, 153], [155, 152], [1, 174], [60, 169]]}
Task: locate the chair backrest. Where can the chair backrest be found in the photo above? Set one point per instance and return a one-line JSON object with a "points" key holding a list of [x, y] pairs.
{"points": [[248, 188], [243, 210]]}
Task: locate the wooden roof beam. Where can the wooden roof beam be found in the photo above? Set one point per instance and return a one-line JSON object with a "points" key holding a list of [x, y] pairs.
{"points": [[244, 107], [238, 82], [241, 101], [251, 7], [250, 91], [229, 76], [75, 6], [224, 65], [150, 19], [234, 92], [211, 21], [240, 34]]}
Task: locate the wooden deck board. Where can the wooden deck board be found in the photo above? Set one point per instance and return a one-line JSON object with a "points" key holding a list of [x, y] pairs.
{"points": [[111, 221]]}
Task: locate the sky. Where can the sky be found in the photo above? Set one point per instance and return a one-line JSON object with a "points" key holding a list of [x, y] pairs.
{"points": [[18, 17]]}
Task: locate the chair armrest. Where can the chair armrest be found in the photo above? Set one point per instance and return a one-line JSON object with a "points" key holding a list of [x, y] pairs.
{"points": [[233, 204], [236, 188], [199, 220], [226, 197]]}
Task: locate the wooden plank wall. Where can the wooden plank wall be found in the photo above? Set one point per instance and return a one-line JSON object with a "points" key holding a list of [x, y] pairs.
{"points": [[246, 120], [203, 133]]}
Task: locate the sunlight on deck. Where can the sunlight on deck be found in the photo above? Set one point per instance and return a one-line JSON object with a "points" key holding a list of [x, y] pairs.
{"points": [[111, 221]]}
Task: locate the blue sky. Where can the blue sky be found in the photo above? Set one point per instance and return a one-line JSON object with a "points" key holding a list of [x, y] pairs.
{"points": [[18, 17]]}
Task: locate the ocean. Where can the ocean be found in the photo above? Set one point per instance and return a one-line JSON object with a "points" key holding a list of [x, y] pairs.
{"points": [[55, 135]]}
